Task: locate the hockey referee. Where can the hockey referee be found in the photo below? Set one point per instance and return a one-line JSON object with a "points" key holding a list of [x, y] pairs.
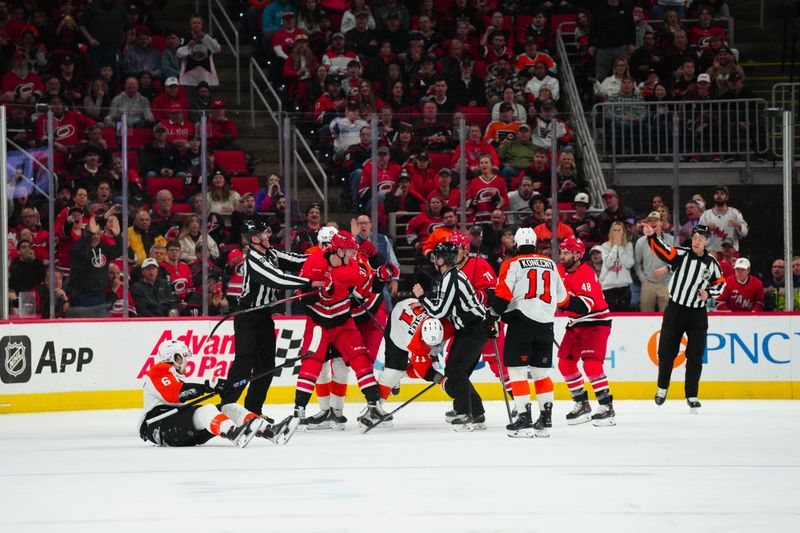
{"points": [[254, 332], [695, 275], [457, 301]]}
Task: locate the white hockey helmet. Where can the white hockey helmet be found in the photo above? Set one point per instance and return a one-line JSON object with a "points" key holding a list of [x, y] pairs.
{"points": [[168, 351], [432, 331], [525, 237], [325, 234]]}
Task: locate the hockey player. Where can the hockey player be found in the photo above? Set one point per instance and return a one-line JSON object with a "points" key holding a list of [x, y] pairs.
{"points": [[369, 312], [457, 301], [164, 389], [412, 336], [331, 309], [527, 295], [586, 337]]}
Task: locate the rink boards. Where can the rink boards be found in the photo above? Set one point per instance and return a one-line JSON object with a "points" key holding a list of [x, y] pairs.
{"points": [[73, 364]]}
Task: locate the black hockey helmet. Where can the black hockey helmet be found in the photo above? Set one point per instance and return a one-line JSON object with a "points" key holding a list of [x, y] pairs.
{"points": [[447, 252], [253, 227], [703, 230]]}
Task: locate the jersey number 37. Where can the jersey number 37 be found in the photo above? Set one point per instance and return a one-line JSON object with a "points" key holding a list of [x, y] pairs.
{"points": [[539, 285]]}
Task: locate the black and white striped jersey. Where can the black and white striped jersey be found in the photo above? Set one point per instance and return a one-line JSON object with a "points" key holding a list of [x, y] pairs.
{"points": [[265, 275], [690, 273], [456, 300]]}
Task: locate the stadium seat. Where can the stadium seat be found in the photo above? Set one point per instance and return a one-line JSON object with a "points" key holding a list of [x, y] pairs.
{"points": [[180, 208], [243, 184], [158, 42], [133, 159], [440, 160], [138, 137], [521, 27], [231, 161], [110, 137], [173, 185], [476, 115], [558, 19]]}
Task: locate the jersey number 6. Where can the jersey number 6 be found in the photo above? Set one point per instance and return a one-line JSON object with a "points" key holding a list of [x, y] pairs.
{"points": [[539, 290]]}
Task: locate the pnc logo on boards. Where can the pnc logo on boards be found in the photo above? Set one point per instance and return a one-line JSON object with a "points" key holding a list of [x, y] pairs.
{"points": [[652, 349], [16, 353]]}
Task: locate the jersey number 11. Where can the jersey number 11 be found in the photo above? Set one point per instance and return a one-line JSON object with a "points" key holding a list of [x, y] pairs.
{"points": [[537, 289]]}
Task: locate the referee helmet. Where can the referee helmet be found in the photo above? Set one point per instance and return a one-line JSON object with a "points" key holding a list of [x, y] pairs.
{"points": [[703, 230], [447, 252]]}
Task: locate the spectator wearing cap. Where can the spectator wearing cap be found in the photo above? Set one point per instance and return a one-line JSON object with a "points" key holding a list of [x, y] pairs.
{"points": [[200, 102], [476, 146], [72, 83], [741, 117], [153, 296], [614, 211], [349, 165], [431, 131], [20, 84], [387, 174], [423, 175], [402, 200], [596, 259], [272, 19], [444, 188], [725, 222], [615, 276], [466, 88], [158, 157], [337, 57], [547, 125], [537, 203], [195, 53], [222, 132], [345, 131], [502, 130], [170, 64], [397, 39], [283, 40], [178, 130], [298, 70], [531, 56], [331, 104], [723, 67], [518, 154], [89, 173], [352, 80], [131, 103], [581, 221], [743, 293], [653, 273], [142, 56], [422, 81], [392, 9], [727, 257], [161, 105], [105, 27]]}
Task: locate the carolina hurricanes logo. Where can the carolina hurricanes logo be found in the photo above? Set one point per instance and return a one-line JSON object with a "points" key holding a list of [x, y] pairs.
{"points": [[240, 269], [485, 195], [199, 52], [99, 260], [704, 42], [24, 89], [65, 131], [180, 285], [385, 186]]}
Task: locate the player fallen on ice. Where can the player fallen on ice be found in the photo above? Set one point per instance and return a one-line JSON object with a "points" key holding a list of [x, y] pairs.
{"points": [[165, 389]]}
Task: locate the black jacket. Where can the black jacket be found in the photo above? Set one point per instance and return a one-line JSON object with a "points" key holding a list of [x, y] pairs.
{"points": [[154, 300], [616, 24], [90, 264]]}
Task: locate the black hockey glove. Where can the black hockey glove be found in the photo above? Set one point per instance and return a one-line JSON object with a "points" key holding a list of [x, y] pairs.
{"points": [[491, 326], [220, 386]]}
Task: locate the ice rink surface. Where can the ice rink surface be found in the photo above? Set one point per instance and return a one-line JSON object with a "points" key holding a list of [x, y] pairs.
{"points": [[733, 468]]}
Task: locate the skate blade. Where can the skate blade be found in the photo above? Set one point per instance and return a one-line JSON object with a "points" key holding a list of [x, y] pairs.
{"points": [[694, 410], [256, 427], [580, 420], [463, 428], [526, 433], [286, 432], [604, 422], [318, 427]]}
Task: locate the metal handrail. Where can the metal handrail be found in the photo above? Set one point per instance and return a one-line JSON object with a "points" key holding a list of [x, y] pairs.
{"points": [[232, 44], [275, 114], [301, 141], [583, 138], [780, 101]]}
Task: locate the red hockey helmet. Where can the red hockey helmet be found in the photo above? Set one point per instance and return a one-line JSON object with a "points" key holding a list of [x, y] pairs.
{"points": [[574, 245], [459, 239], [343, 240]]}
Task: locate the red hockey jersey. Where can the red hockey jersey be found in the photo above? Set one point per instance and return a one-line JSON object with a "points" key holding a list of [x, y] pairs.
{"points": [[737, 296], [481, 275], [584, 285], [700, 37], [332, 309], [387, 179], [486, 196], [180, 277]]}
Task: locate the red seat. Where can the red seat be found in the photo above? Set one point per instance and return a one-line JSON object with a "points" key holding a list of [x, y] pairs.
{"points": [[521, 27], [110, 137], [231, 161], [440, 160], [243, 184], [158, 42], [557, 20], [173, 185], [138, 137], [181, 208], [476, 115]]}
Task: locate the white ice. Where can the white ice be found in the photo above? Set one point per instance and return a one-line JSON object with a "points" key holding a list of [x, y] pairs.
{"points": [[733, 468]]}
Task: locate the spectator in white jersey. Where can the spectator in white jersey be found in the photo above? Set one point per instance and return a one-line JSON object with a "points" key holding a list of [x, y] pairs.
{"points": [[725, 222]]}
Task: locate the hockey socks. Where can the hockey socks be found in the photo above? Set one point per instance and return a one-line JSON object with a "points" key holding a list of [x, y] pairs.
{"points": [[518, 375], [388, 379]]}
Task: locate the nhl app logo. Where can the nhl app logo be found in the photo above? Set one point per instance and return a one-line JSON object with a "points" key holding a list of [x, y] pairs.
{"points": [[16, 354]]}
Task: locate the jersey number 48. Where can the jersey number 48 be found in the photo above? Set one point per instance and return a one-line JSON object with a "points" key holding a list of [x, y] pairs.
{"points": [[539, 285]]}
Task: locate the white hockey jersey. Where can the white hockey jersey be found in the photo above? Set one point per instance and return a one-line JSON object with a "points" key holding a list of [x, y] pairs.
{"points": [[405, 332], [532, 286]]}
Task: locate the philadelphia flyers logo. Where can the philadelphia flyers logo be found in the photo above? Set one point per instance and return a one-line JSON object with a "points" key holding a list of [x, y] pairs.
{"points": [[432, 227]]}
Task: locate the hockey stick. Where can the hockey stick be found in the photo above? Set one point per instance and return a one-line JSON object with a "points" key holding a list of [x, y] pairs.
{"points": [[362, 303], [502, 373], [239, 384], [417, 395], [259, 308]]}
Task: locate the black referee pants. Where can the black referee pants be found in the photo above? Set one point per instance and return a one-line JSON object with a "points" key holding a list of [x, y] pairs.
{"points": [[464, 354], [677, 321], [255, 353]]}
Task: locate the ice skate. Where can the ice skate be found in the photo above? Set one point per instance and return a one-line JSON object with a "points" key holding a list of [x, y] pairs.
{"points": [[281, 432], [694, 405], [242, 435], [605, 413], [581, 411], [469, 423], [545, 421], [319, 421], [522, 426], [661, 396], [450, 415], [336, 419], [371, 415]]}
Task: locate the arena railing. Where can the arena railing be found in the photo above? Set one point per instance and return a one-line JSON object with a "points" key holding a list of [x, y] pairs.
{"points": [[231, 36], [625, 131], [584, 141], [274, 109], [784, 96]]}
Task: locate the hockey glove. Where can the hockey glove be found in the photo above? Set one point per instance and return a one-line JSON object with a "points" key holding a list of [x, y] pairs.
{"points": [[327, 285], [490, 324], [387, 272], [367, 249], [220, 386]]}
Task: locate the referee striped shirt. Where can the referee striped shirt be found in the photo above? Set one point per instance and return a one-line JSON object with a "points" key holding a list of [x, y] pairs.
{"points": [[456, 300], [690, 273], [265, 276]]}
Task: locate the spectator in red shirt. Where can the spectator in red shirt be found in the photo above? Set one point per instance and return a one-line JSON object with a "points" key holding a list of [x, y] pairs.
{"points": [[40, 238], [388, 171], [67, 125], [178, 131], [162, 104], [445, 190], [283, 39], [422, 225], [476, 146], [743, 292], [20, 83], [423, 177], [700, 35]]}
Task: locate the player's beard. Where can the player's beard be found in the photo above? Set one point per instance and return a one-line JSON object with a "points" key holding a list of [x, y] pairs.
{"points": [[568, 263]]}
